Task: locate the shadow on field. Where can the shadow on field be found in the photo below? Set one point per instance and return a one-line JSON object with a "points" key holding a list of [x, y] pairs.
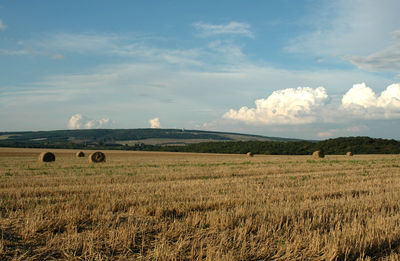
{"points": [[375, 251]]}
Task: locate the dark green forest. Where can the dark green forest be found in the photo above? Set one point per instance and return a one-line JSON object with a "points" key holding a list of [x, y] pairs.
{"points": [[357, 145], [221, 142]]}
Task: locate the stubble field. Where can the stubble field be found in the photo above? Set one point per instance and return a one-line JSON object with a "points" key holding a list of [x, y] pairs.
{"points": [[176, 206]]}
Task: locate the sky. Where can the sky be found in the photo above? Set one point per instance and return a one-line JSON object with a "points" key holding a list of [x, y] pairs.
{"points": [[303, 69]]}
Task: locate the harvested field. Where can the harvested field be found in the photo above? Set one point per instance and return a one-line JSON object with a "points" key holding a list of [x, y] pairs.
{"points": [[177, 206]]}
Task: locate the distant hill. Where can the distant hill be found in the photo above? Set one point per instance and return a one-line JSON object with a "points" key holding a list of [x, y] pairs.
{"points": [[192, 141], [115, 138]]}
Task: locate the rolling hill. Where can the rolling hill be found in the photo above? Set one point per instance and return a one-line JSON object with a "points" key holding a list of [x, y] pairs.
{"points": [[122, 137]]}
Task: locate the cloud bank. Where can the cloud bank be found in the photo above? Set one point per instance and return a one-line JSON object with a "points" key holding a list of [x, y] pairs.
{"points": [[155, 123], [288, 106], [305, 105], [79, 121]]}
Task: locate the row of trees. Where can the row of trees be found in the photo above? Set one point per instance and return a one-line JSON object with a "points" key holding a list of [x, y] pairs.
{"points": [[357, 145]]}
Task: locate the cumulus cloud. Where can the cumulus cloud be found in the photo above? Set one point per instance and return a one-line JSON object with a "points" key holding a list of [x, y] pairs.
{"points": [[232, 28], [288, 106], [362, 101], [360, 95], [155, 123], [79, 121], [2, 25]]}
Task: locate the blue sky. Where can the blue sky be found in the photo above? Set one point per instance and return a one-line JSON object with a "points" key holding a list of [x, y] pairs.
{"points": [[302, 69]]}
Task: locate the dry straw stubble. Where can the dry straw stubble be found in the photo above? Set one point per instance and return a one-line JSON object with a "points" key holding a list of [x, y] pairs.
{"points": [[175, 206], [97, 157]]}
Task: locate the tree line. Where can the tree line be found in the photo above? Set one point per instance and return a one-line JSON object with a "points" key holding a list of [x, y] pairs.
{"points": [[357, 145]]}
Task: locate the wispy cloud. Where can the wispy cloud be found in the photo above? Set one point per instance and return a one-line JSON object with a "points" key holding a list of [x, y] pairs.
{"points": [[2, 25], [232, 28], [78, 43], [216, 53], [14, 52], [347, 27], [387, 59], [113, 45]]}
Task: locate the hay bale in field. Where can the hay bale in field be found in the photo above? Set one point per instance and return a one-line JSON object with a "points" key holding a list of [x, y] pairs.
{"points": [[47, 157], [349, 154], [318, 154], [80, 154], [250, 154], [97, 157]]}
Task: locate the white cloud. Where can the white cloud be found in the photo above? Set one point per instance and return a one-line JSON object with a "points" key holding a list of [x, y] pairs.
{"points": [[359, 95], [79, 121], [155, 123], [362, 101], [232, 28], [288, 106], [2, 25]]}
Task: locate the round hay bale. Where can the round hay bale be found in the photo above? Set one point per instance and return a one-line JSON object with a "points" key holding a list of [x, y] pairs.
{"points": [[97, 157], [318, 154], [349, 154], [47, 157], [250, 154], [80, 154]]}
